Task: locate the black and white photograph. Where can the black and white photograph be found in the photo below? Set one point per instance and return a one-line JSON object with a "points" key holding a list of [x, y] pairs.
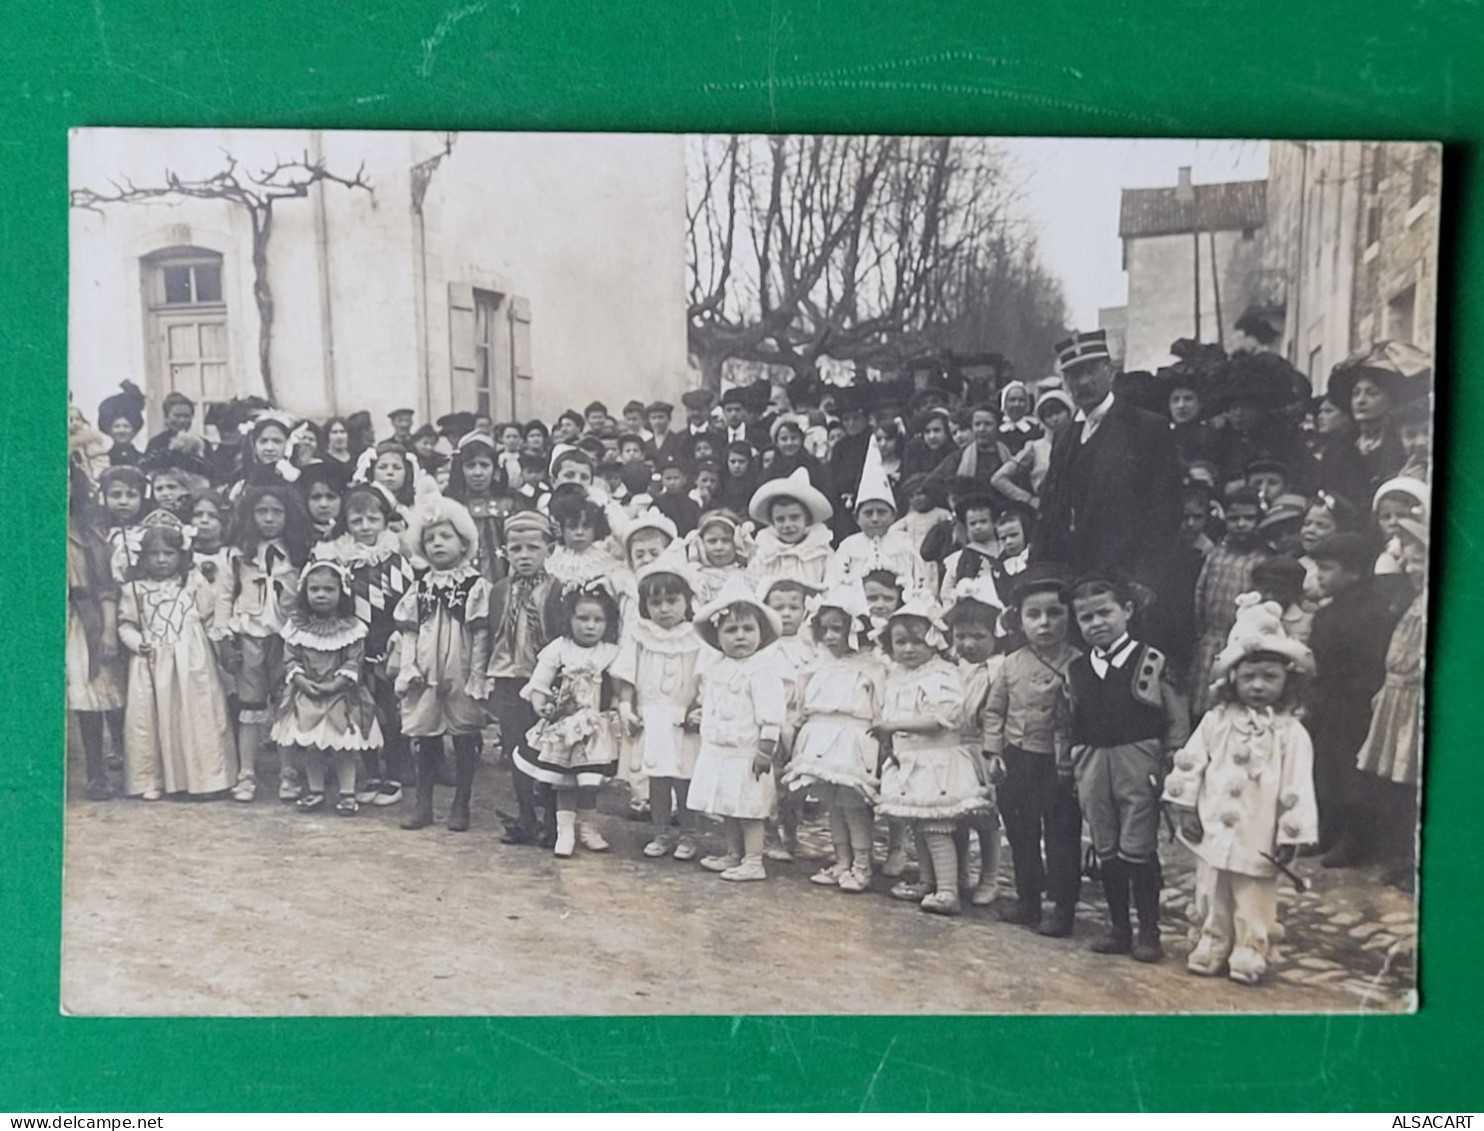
{"points": [[631, 574]]}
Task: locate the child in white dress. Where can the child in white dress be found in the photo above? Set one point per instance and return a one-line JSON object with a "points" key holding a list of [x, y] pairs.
{"points": [[574, 748], [793, 652], [835, 754], [714, 547], [795, 542], [660, 659], [1242, 793], [930, 777], [742, 716]]}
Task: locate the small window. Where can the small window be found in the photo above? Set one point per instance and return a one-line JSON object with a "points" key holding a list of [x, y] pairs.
{"points": [[1316, 364], [1401, 315], [1378, 167], [189, 284], [486, 303], [1373, 225], [1249, 233], [1419, 179]]}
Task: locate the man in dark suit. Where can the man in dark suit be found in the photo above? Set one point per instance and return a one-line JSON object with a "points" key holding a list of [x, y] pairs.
{"points": [[1112, 492], [666, 445], [735, 403]]}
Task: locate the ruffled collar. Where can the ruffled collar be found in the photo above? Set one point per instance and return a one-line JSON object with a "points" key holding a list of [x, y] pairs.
{"points": [[324, 634], [680, 638], [815, 543], [449, 578]]}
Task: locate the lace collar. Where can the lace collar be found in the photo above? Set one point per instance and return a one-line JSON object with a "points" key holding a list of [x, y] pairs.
{"points": [[324, 634], [347, 551]]}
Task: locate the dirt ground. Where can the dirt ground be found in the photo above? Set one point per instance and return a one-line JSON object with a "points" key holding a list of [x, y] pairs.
{"points": [[215, 908]]}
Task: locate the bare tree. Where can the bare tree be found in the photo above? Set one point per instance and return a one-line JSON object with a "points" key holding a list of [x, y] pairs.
{"points": [[860, 248], [257, 194]]}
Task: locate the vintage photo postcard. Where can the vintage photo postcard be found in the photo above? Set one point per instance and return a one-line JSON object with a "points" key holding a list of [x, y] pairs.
{"points": [[642, 574]]}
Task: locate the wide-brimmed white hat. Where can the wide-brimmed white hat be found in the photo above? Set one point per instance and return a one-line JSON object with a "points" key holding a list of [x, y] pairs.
{"points": [[736, 592], [795, 486]]}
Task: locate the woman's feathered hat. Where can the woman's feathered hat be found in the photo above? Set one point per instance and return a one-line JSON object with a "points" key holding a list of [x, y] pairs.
{"points": [[126, 404], [1400, 368]]}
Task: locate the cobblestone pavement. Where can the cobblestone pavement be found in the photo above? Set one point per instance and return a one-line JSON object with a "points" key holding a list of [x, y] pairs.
{"points": [[212, 907]]}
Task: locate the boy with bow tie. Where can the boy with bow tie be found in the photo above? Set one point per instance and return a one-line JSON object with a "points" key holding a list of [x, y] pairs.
{"points": [[1126, 717]]}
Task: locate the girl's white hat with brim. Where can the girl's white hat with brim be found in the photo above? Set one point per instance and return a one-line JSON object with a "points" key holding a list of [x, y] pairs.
{"points": [[795, 486], [1414, 489], [920, 605], [736, 592], [669, 564], [1258, 629]]}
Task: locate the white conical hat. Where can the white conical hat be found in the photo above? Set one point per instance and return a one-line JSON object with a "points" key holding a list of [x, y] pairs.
{"points": [[874, 486]]}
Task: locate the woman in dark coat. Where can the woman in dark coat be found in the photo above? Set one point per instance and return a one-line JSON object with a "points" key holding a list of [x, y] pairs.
{"points": [[1369, 387]]}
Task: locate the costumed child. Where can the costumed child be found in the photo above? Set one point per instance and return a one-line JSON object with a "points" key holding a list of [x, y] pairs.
{"points": [[525, 616], [878, 544], [981, 552], [124, 491], [272, 545], [379, 575], [443, 654], [741, 717], [793, 652], [835, 754], [1390, 760], [884, 597], [1226, 574], [472, 480], [929, 776], [1012, 530], [573, 747], [716, 549], [583, 557], [974, 620], [322, 487], [95, 677], [211, 552], [1242, 793], [265, 462], [925, 508], [1027, 718], [641, 541], [1125, 716], [389, 465], [177, 738], [795, 541], [326, 711], [658, 670]]}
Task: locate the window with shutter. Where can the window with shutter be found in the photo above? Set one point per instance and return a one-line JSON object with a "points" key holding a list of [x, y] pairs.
{"points": [[188, 344]]}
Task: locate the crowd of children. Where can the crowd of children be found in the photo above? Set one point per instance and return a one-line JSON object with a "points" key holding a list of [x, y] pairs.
{"points": [[831, 602]]}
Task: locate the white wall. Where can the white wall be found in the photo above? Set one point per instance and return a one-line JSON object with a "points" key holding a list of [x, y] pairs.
{"points": [[1161, 299], [591, 229], [588, 228]]}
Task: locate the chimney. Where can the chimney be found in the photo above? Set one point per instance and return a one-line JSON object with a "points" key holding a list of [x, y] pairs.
{"points": [[1184, 190]]}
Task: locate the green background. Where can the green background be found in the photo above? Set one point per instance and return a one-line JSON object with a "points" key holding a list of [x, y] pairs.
{"points": [[1370, 68]]}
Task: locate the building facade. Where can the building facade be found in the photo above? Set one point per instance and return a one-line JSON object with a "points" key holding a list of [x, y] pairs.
{"points": [[1351, 253], [511, 274], [1193, 255]]}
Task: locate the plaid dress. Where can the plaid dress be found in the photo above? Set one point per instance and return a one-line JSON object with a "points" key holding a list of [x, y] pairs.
{"points": [[1226, 575]]}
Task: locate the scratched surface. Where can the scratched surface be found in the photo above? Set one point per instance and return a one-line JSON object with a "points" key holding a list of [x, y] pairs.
{"points": [[1241, 68]]}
